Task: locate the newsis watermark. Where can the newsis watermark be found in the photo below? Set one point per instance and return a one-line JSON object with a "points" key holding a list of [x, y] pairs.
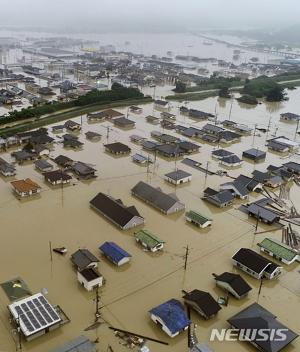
{"points": [[255, 335]]}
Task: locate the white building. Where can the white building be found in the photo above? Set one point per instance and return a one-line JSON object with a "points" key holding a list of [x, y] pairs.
{"points": [[89, 278], [178, 177]]}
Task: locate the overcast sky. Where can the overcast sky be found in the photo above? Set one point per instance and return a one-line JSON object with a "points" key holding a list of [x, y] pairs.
{"points": [[130, 13]]}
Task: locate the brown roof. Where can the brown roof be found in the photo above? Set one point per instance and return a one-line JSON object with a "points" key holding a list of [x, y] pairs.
{"points": [[25, 185], [110, 113]]}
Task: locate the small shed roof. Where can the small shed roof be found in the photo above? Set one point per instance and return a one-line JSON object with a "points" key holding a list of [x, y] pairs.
{"points": [[148, 238], [281, 250], [197, 217], [113, 251]]}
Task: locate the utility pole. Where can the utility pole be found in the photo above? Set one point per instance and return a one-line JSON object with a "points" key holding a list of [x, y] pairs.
{"points": [[268, 128], [297, 126], [50, 250], [186, 256], [97, 300], [254, 133], [260, 288], [230, 108], [206, 173]]}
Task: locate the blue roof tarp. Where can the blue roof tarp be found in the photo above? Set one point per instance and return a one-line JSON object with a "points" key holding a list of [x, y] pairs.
{"points": [[173, 315], [113, 251]]}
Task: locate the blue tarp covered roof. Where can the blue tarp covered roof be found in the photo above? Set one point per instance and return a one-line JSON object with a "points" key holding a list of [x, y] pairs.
{"points": [[113, 251], [173, 315]]}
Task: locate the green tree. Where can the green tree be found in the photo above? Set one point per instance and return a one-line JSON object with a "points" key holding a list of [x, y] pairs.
{"points": [[180, 87]]}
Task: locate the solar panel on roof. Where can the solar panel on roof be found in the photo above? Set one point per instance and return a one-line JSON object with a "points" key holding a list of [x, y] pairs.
{"points": [[45, 314], [19, 310], [37, 302], [25, 307], [26, 322], [39, 317], [51, 311], [34, 314], [33, 320], [31, 305]]}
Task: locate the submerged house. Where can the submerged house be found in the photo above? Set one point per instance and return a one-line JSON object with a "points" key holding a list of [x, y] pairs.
{"points": [[262, 213], [79, 344], [64, 161], [72, 125], [123, 122], [114, 253], [152, 119], [89, 278], [202, 302], [84, 259], [255, 316], [92, 136], [221, 153], [254, 154], [161, 104], [178, 177], [117, 148], [255, 264], [7, 169], [23, 155], [166, 203], [220, 199], [141, 159], [116, 212], [231, 161], [35, 316], [26, 187], [197, 219], [233, 283], [96, 116], [289, 117], [279, 251], [171, 317], [57, 177], [149, 241], [43, 165], [83, 170]]}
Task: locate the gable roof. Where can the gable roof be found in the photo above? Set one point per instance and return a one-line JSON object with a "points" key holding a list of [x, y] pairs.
{"points": [[173, 315], [197, 217], [154, 196], [252, 260], [114, 209], [113, 251], [280, 249], [148, 238], [238, 284], [204, 301], [83, 258]]}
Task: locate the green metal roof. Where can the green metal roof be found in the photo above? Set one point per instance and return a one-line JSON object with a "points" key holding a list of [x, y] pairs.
{"points": [[279, 249], [148, 238], [196, 217]]}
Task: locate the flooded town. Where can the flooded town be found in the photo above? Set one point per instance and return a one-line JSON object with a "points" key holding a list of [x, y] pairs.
{"points": [[149, 188]]}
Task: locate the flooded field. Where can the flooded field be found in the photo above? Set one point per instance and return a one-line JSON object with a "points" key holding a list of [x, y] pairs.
{"points": [[63, 216]]}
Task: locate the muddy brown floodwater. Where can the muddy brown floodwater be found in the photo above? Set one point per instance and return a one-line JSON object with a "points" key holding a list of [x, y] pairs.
{"points": [[65, 219]]}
